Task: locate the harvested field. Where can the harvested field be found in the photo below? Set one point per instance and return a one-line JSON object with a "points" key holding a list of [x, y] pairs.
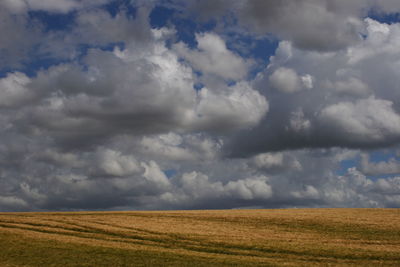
{"points": [[295, 237]]}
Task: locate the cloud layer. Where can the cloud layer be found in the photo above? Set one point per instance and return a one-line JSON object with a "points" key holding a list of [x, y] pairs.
{"points": [[111, 112]]}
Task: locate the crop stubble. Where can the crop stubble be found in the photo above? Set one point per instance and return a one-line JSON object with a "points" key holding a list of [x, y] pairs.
{"points": [[293, 237]]}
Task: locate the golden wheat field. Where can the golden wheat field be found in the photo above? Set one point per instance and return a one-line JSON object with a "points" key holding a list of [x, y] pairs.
{"points": [[294, 237]]}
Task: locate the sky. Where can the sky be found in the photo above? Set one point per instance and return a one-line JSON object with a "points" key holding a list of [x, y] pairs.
{"points": [[199, 104]]}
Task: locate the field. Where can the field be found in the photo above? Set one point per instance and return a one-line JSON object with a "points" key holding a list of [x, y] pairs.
{"points": [[295, 237]]}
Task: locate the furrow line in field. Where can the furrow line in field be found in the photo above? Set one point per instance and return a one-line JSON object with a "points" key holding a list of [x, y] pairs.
{"points": [[198, 239], [179, 242], [207, 248], [62, 226], [96, 233], [84, 235]]}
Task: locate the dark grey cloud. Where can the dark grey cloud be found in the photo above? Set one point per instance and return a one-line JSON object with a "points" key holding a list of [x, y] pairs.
{"points": [[335, 99], [308, 24], [367, 167], [18, 38], [59, 6], [313, 25]]}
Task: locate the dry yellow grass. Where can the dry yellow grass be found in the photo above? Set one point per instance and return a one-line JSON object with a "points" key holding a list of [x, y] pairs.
{"points": [[295, 237]]}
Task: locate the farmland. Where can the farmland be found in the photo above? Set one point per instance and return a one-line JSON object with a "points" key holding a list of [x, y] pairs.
{"points": [[293, 237]]}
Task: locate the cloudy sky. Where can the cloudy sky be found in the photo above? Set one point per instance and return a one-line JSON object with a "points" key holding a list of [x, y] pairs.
{"points": [[199, 104]]}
